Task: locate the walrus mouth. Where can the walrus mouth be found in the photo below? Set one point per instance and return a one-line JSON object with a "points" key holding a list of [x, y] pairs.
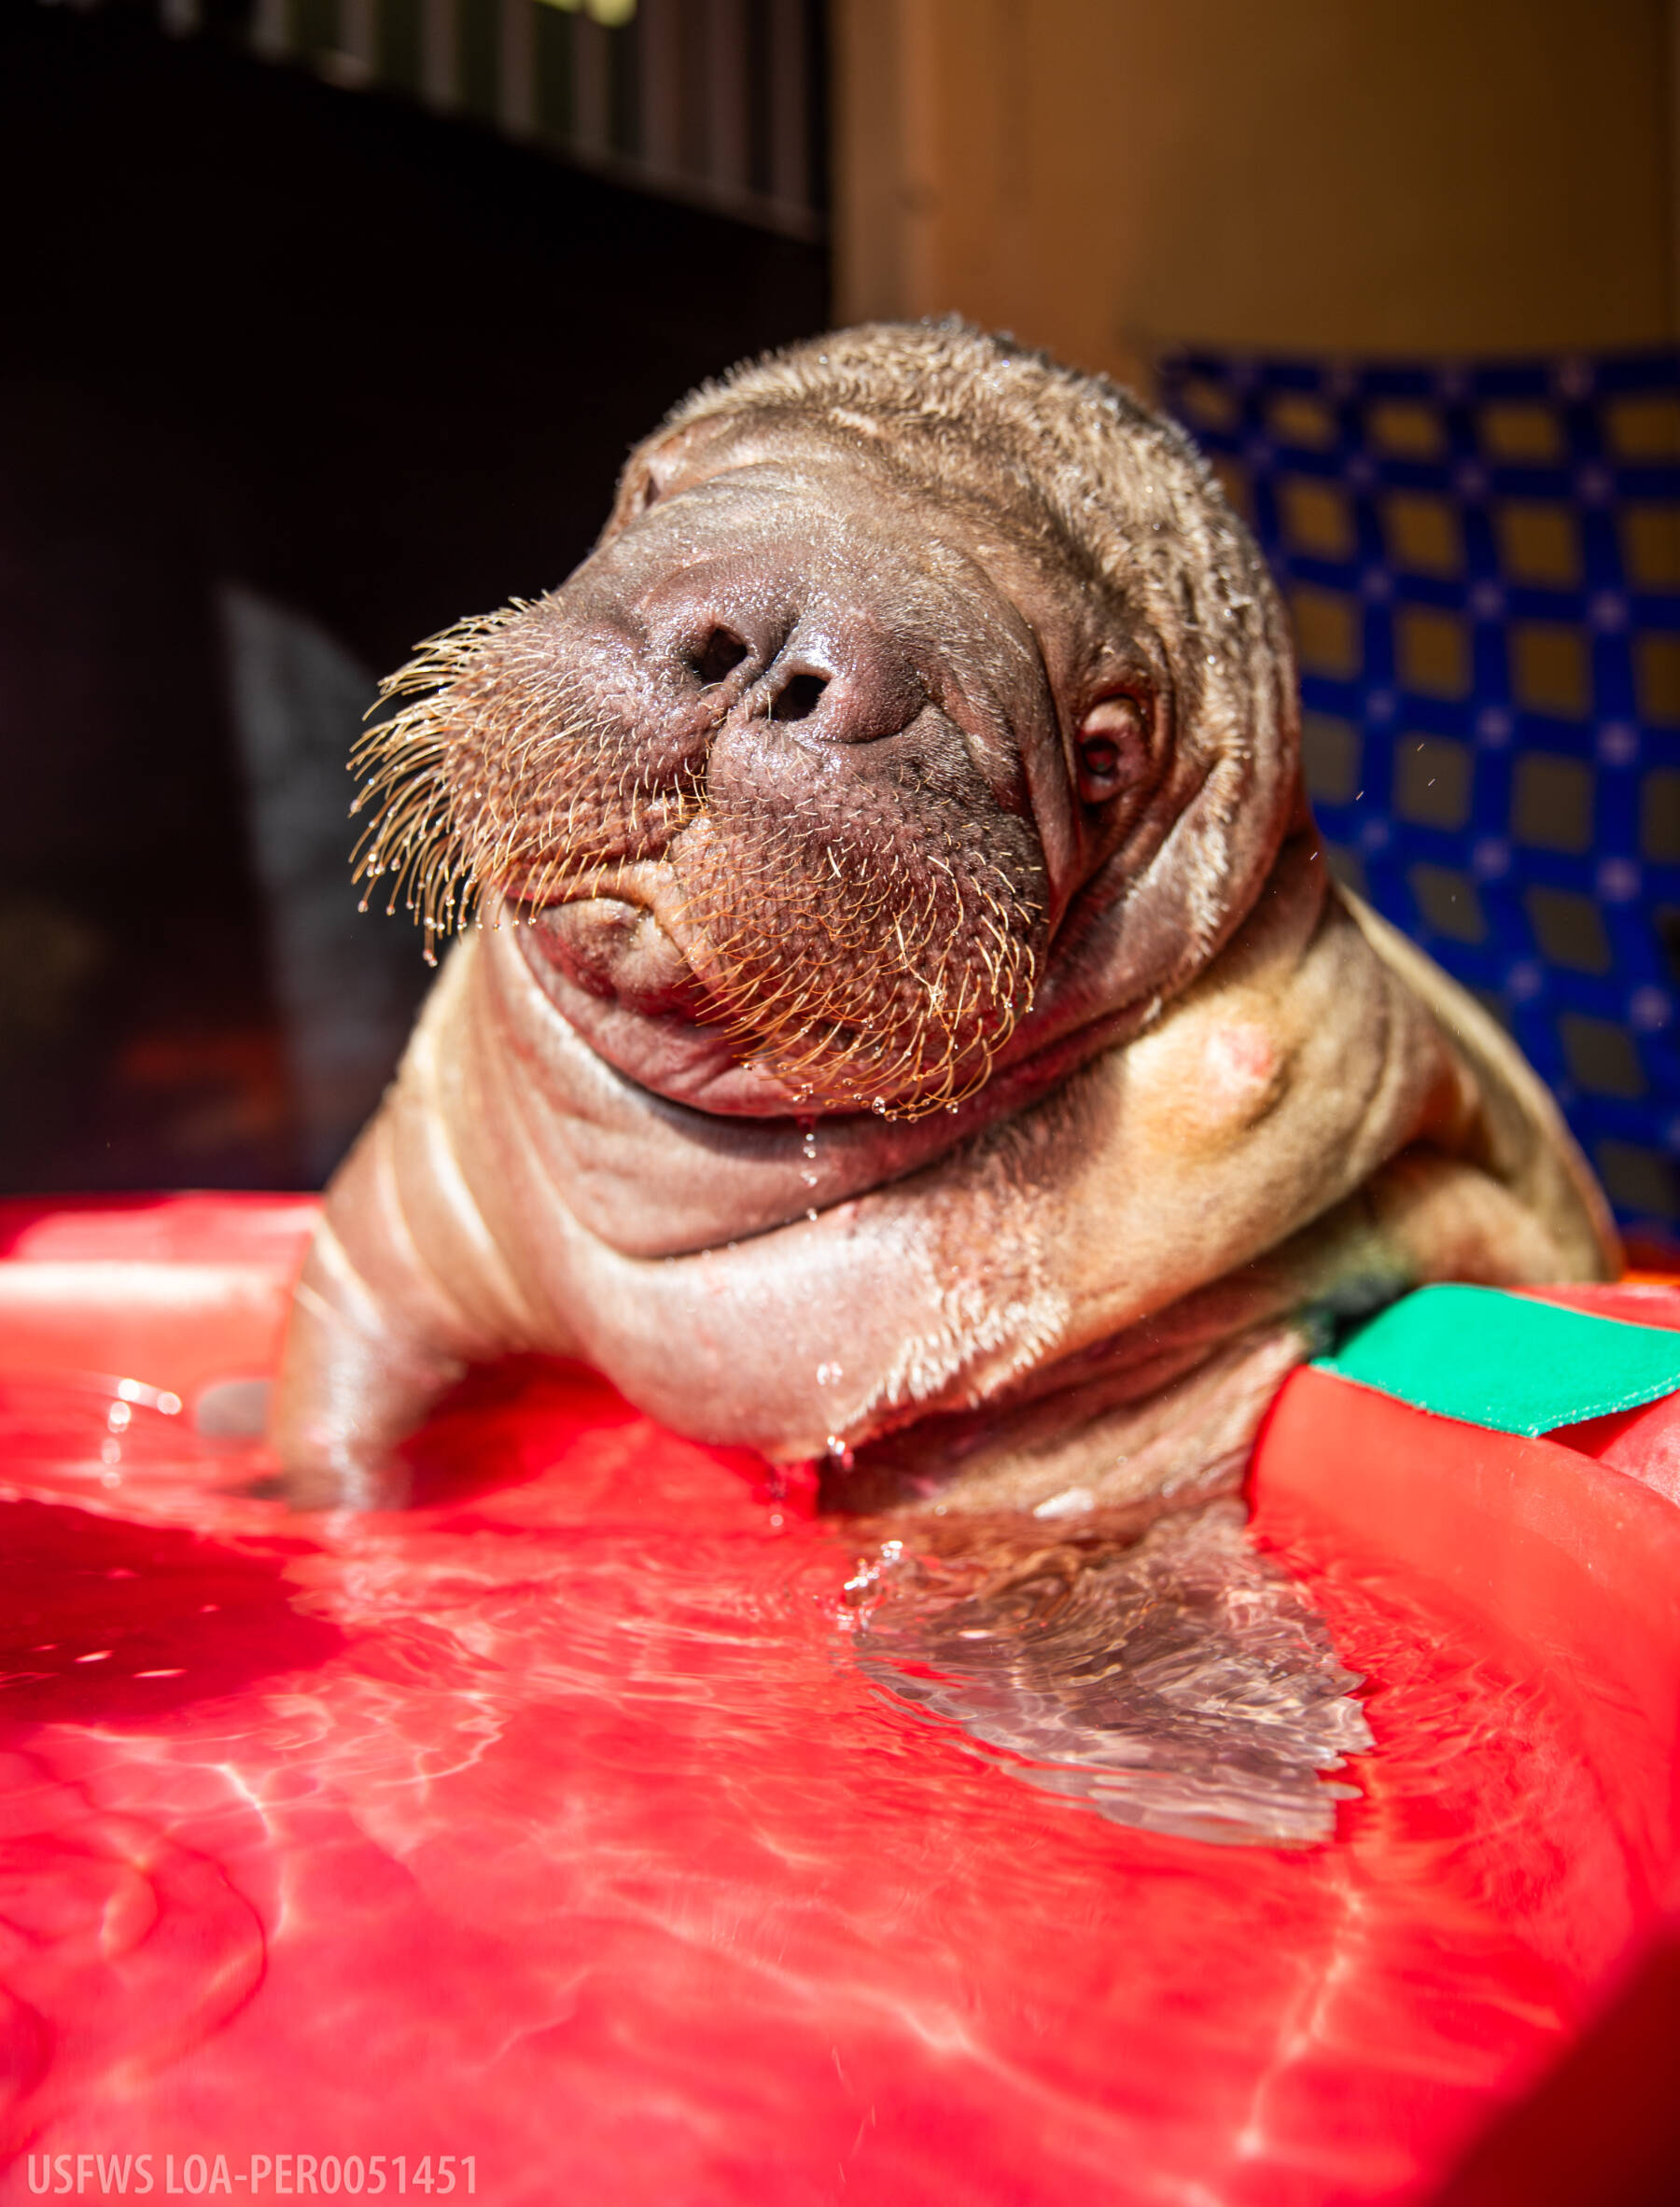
{"points": [[863, 960]]}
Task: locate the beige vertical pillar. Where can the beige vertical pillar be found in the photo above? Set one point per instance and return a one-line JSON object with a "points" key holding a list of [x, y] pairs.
{"points": [[931, 157]]}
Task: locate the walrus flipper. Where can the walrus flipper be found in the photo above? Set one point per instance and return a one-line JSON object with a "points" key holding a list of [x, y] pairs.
{"points": [[372, 1344], [403, 1290]]}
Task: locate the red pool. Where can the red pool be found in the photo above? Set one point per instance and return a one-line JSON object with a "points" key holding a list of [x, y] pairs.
{"points": [[548, 1842]]}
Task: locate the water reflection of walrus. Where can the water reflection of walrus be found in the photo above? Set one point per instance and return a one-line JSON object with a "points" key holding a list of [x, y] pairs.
{"points": [[933, 1044]]}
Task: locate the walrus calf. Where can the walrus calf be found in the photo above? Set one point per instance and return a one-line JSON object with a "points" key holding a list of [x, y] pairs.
{"points": [[909, 1023]]}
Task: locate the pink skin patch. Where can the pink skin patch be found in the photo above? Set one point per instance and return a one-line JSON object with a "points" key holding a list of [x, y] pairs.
{"points": [[1240, 1064]]}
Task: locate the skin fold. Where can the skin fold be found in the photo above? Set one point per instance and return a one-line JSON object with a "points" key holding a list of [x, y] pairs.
{"points": [[907, 1023]]}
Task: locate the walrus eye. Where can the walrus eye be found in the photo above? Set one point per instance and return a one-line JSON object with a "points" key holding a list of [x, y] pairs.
{"points": [[1111, 740], [1098, 761]]}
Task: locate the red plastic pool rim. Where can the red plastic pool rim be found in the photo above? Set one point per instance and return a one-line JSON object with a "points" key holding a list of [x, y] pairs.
{"points": [[547, 1834]]}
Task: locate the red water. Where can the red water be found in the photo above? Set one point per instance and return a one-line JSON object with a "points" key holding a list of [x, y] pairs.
{"points": [[553, 1825]]}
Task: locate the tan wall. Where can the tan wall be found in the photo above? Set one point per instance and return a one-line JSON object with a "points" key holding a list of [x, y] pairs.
{"points": [[1103, 176]]}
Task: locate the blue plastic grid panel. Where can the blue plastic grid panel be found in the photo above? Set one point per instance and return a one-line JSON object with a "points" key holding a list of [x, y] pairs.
{"points": [[1483, 568]]}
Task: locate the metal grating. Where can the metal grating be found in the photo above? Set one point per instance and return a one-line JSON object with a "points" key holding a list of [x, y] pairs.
{"points": [[717, 103]]}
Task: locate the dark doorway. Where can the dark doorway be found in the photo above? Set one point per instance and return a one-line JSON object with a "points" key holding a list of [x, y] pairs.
{"points": [[290, 376]]}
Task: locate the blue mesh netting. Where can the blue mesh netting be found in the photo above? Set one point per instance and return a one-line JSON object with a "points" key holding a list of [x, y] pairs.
{"points": [[1483, 565]]}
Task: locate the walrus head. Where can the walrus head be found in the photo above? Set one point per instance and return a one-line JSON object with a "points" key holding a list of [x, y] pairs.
{"points": [[923, 705]]}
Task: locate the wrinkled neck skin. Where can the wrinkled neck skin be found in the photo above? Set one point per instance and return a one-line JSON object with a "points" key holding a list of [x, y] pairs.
{"points": [[673, 1252], [652, 1176]]}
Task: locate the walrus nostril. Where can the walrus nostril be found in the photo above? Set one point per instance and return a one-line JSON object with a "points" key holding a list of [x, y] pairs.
{"points": [[720, 655], [798, 696]]}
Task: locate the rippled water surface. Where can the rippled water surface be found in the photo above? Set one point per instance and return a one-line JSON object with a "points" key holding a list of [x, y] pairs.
{"points": [[1182, 1685], [560, 1823]]}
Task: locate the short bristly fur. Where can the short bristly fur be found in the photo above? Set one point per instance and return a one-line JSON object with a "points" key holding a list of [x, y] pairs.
{"points": [[907, 1021], [907, 1024]]}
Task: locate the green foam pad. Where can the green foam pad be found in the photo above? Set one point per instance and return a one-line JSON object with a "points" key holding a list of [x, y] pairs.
{"points": [[1507, 1362]]}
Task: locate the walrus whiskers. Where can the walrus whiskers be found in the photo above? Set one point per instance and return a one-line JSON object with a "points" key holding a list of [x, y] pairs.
{"points": [[878, 1009], [920, 1031]]}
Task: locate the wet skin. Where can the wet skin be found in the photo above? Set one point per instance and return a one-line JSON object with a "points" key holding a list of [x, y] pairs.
{"points": [[911, 1023]]}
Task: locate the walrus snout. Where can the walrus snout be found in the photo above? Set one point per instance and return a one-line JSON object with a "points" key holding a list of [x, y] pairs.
{"points": [[756, 767], [829, 668]]}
